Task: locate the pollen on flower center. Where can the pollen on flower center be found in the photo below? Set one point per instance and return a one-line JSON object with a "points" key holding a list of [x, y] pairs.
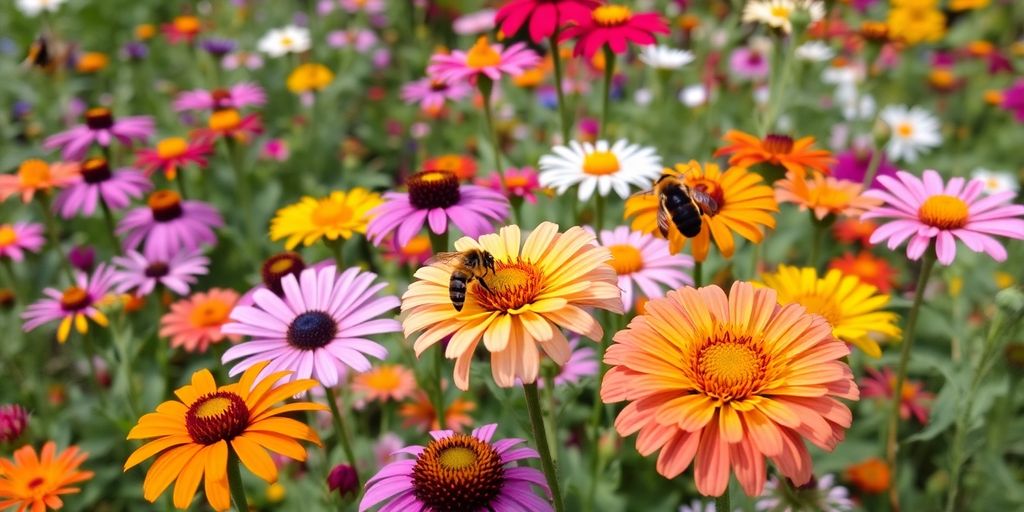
{"points": [[728, 368], [778, 144], [312, 330], [7, 235], [209, 313], [611, 15], [832, 198], [216, 416], [626, 259], [74, 299], [225, 120], [905, 130], [95, 170], [187, 24], [780, 11], [512, 286], [99, 118], [331, 213], [277, 267], [433, 189], [165, 205], [481, 55], [172, 147], [33, 173], [458, 473], [944, 212], [601, 162], [457, 457]]}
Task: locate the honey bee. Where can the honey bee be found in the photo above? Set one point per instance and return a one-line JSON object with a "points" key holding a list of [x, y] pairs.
{"points": [[682, 205], [466, 266]]}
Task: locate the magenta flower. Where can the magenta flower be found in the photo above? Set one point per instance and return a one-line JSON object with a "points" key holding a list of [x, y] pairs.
{"points": [[1013, 100], [928, 209], [319, 327], [543, 17], [102, 128], [98, 183], [523, 183], [13, 420], [168, 225], [436, 198], [490, 60], [853, 166], [749, 64], [582, 363], [460, 472], [615, 27], [643, 261], [237, 96], [19, 237], [913, 399], [141, 275], [76, 305], [431, 94]]}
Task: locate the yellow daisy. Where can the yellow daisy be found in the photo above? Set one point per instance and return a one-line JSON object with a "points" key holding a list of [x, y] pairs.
{"points": [[338, 215]]}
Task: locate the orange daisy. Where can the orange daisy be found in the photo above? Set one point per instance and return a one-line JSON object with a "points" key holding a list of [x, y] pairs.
{"points": [[724, 382], [796, 156], [36, 482], [420, 413], [868, 268], [385, 382], [36, 175], [194, 323], [824, 195], [538, 288], [745, 204], [197, 434]]}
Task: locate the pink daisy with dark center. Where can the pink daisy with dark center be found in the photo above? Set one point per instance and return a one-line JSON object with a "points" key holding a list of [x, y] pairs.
{"points": [[141, 275], [102, 128], [237, 96], [76, 305], [100, 184], [168, 225]]}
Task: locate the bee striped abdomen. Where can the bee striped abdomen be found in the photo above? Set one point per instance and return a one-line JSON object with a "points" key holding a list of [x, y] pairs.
{"points": [[686, 215], [457, 289]]}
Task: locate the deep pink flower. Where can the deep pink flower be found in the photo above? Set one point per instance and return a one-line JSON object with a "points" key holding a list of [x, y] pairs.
{"points": [[141, 275], [431, 94], [171, 154], [523, 183], [13, 420], [76, 305], [1013, 100], [237, 96], [98, 182], [168, 225], [853, 165], [615, 26], [19, 237], [748, 63], [644, 263], [928, 209], [490, 60], [544, 17], [102, 128], [913, 400]]}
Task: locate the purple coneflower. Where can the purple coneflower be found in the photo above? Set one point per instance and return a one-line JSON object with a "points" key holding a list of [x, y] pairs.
{"points": [[237, 96], [749, 63], [102, 128], [19, 237], [644, 261], [97, 183], [1013, 100], [431, 94], [582, 363], [218, 47], [141, 275], [317, 329], [168, 225], [75, 305]]}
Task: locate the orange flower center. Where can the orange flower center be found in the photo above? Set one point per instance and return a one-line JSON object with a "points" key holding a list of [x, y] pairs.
{"points": [[904, 130], [822, 305], [209, 313], [517, 181], [832, 198], [942, 79], [171, 148], [944, 212], [433, 189], [481, 55], [729, 369], [330, 213], [165, 205], [601, 162], [225, 120], [778, 144], [277, 267], [513, 286], [95, 170], [611, 15], [866, 268], [187, 24], [34, 174], [74, 299], [458, 473], [626, 259], [8, 236], [218, 416]]}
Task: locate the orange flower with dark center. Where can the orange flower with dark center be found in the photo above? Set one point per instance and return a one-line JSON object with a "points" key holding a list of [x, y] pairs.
{"points": [[798, 155], [36, 482]]}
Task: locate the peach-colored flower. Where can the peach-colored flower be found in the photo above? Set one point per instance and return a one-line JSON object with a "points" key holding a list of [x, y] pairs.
{"points": [[420, 413], [385, 382], [36, 175], [824, 195], [194, 323]]}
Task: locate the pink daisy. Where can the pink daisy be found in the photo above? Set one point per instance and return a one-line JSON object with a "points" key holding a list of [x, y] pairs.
{"points": [[98, 183], [102, 128], [926, 209], [237, 96], [460, 472], [318, 329], [75, 305], [367, 6], [615, 26], [543, 17], [490, 60], [582, 363], [19, 237], [644, 261], [168, 225], [172, 153], [431, 94], [195, 323], [913, 399], [141, 275], [435, 197], [522, 183]]}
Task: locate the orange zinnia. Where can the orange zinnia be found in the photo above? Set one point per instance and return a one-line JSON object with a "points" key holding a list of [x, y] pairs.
{"points": [[36, 175], [725, 382], [538, 288], [745, 204], [199, 431], [824, 195], [780, 150], [36, 483]]}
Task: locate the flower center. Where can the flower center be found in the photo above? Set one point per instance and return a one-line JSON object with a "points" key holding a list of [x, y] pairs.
{"points": [[729, 368], [611, 15], [215, 417], [481, 55], [433, 189], [74, 299], [277, 267], [331, 213], [8, 236], [904, 130], [778, 144], [944, 212], [823, 305], [35, 482], [225, 120], [187, 24], [210, 313], [780, 11], [512, 286], [438, 86], [221, 98], [832, 198], [712, 189], [626, 259], [601, 162], [95, 170], [458, 473], [312, 330], [99, 118], [157, 269], [171, 148], [34, 173], [165, 205]]}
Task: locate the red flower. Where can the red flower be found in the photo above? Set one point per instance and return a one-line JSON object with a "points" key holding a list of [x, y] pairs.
{"points": [[544, 17], [616, 26]]}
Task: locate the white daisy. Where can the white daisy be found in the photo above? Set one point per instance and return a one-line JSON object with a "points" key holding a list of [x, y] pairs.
{"points": [[912, 130], [33, 8], [694, 95], [779, 13], [996, 181], [814, 51], [599, 166], [665, 57], [282, 41]]}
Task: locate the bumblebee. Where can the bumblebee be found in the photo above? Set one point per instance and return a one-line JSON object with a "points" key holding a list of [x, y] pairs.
{"points": [[681, 204], [466, 266]]}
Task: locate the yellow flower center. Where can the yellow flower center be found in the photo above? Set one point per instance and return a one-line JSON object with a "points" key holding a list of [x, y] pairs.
{"points": [[611, 15], [730, 368], [7, 235], [281, 265], [385, 378], [780, 11], [209, 313], [213, 407], [823, 305], [481, 55], [457, 457], [512, 286], [74, 299], [287, 41], [225, 120], [330, 213], [944, 212], [904, 130], [601, 162], [172, 147], [34, 174], [459, 472], [626, 259]]}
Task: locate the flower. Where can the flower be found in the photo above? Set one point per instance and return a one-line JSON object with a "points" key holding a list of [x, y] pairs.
{"points": [[745, 204], [385, 382], [309, 77], [33, 8], [37, 482], [489, 60], [317, 329], [871, 476], [172, 153], [35, 176], [343, 480], [75, 305], [91, 62], [192, 434], [276, 150], [282, 41], [913, 399], [229, 124], [360, 40], [1013, 100], [814, 51], [13, 420], [644, 262], [543, 17], [195, 323], [867, 267], [853, 166], [521, 183], [723, 382], [436, 198], [19, 237], [98, 184], [476, 22], [927, 209], [824, 195], [797, 156], [167, 225], [697, 505], [142, 275], [913, 130], [367, 6], [601, 166], [218, 47], [749, 63], [431, 94], [996, 181], [849, 230], [237, 96], [182, 29], [916, 21], [779, 13], [460, 472], [101, 128], [967, 5], [614, 26], [853, 308], [420, 413], [822, 495], [582, 363], [665, 57], [338, 215], [463, 166], [534, 292], [244, 60]]}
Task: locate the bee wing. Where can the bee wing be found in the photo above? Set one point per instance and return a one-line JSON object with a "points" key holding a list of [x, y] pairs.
{"points": [[663, 217], [444, 258], [707, 204], [642, 193]]}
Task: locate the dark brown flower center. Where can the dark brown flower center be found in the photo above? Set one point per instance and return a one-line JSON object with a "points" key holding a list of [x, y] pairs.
{"points": [[216, 416], [221, 98], [312, 330], [778, 144], [165, 205], [157, 269], [433, 189], [75, 299], [95, 170], [99, 118], [279, 266], [458, 473], [35, 482], [438, 86]]}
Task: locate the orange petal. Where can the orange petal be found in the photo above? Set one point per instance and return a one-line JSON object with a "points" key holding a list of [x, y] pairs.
{"points": [[254, 457]]}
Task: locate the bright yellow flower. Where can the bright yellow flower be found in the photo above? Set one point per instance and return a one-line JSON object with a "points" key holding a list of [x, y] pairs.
{"points": [[341, 214], [309, 77], [916, 21], [967, 5]]}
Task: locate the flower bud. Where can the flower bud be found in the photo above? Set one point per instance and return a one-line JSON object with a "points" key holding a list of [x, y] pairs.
{"points": [[1011, 301], [13, 420], [344, 480]]}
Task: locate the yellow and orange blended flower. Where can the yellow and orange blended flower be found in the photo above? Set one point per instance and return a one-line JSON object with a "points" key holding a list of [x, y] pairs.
{"points": [[824, 195], [36, 482], [309, 77], [339, 215], [540, 286], [745, 206], [796, 156], [196, 436]]}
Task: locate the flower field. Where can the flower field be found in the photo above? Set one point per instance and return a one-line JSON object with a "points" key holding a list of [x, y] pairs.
{"points": [[511, 255]]}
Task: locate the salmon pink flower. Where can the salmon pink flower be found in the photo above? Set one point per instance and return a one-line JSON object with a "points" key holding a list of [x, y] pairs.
{"points": [[195, 323]]}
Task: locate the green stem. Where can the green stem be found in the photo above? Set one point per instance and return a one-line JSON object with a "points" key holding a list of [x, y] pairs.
{"points": [[873, 165], [235, 483], [342, 430], [563, 108], [108, 218], [778, 93], [90, 355], [439, 243], [486, 86], [698, 274], [179, 180], [722, 502], [53, 233], [244, 194], [598, 212], [337, 245], [541, 439], [609, 73], [549, 414], [438, 388]]}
